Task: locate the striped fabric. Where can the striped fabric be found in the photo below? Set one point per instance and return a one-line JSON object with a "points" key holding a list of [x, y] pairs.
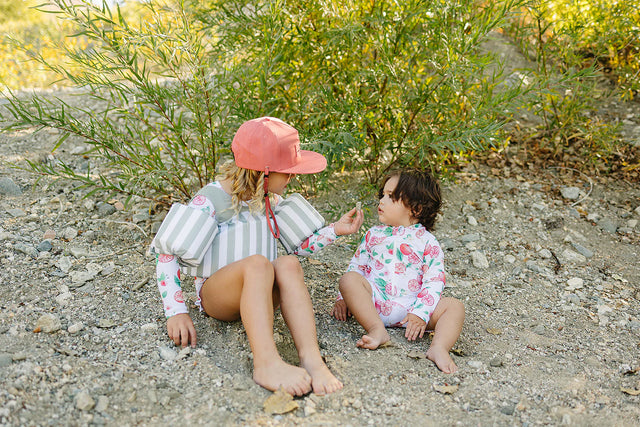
{"points": [[297, 220], [186, 233]]}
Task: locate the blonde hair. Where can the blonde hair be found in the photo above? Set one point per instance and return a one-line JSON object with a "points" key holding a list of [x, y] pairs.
{"points": [[247, 185]]}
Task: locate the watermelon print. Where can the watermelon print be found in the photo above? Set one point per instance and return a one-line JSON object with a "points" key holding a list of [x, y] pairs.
{"points": [[199, 200], [178, 297], [405, 268], [163, 258]]}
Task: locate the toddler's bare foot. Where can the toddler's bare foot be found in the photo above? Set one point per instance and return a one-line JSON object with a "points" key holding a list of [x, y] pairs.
{"points": [[322, 380], [374, 339], [441, 357], [294, 380]]}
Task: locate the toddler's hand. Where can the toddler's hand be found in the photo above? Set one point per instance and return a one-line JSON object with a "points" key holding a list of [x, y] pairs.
{"points": [[349, 223], [415, 327], [181, 330], [340, 310]]}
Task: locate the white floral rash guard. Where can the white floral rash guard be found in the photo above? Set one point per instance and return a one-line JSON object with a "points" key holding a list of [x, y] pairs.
{"points": [[168, 269], [405, 268]]}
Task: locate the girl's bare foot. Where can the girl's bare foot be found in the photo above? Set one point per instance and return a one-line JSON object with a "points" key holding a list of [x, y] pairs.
{"points": [[374, 339], [294, 380], [441, 357], [322, 380]]}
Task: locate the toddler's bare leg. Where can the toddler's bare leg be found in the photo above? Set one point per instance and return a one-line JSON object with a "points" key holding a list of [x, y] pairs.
{"points": [[356, 292], [245, 289], [297, 312], [446, 320]]}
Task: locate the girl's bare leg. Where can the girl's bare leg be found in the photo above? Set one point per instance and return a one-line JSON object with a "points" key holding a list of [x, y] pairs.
{"points": [[446, 320], [245, 289], [297, 311], [356, 292]]}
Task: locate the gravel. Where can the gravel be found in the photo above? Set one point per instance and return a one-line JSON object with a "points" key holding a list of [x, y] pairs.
{"points": [[551, 289]]}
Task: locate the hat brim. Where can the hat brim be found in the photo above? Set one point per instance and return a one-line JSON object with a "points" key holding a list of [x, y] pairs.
{"points": [[310, 162]]}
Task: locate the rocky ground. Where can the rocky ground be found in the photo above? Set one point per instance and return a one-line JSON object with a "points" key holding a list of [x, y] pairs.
{"points": [[546, 262]]}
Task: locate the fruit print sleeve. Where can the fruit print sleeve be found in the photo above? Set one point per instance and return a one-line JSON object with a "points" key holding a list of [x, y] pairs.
{"points": [[318, 240], [168, 270], [433, 281]]}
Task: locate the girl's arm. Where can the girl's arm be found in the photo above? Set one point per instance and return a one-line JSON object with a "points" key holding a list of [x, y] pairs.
{"points": [[349, 223], [433, 281]]}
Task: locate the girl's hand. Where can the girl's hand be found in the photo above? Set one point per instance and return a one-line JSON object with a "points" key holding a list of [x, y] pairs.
{"points": [[340, 310], [349, 223], [181, 330], [415, 327]]}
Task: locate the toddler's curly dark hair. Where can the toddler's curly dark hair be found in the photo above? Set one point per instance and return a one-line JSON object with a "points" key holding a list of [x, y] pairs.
{"points": [[420, 192]]}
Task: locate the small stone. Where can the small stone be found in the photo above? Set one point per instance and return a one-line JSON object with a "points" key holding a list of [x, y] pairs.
{"points": [[105, 209], [69, 233], [573, 299], [571, 193], [608, 225], [16, 212], [582, 250], [48, 323], [479, 260], [184, 353], [5, 359], [531, 265], [632, 223], [118, 205], [496, 362], [545, 253], [78, 252], [166, 353], [9, 188], [571, 257], [476, 364], [75, 328], [45, 246], [473, 237], [509, 259], [84, 401], [26, 249], [79, 278], [89, 204], [574, 283], [149, 327], [64, 263], [472, 220], [103, 404]]}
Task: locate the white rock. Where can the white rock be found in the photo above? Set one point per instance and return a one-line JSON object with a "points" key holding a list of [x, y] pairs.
{"points": [[571, 193], [510, 259], [64, 298], [76, 327], [148, 327], [84, 401], [64, 263], [479, 260], [48, 323], [103, 403], [574, 283], [569, 256], [166, 353], [472, 220]]}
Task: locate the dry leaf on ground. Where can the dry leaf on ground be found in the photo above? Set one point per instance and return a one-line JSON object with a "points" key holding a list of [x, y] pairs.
{"points": [[280, 402]]}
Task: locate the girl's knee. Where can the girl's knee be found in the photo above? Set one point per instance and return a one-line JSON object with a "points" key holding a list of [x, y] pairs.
{"points": [[453, 304], [287, 264], [348, 280], [260, 262]]}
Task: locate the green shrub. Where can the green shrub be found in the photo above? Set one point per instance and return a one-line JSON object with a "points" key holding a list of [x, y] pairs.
{"points": [[372, 85]]}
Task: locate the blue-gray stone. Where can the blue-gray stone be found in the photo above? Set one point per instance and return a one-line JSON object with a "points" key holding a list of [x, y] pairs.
{"points": [[9, 188]]}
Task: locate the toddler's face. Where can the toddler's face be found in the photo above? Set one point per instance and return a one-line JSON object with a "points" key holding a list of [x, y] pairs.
{"points": [[279, 181], [393, 213]]}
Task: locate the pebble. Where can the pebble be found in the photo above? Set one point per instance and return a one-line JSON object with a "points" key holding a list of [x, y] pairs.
{"points": [[78, 252], [472, 220], [574, 283], [9, 188], [632, 223], [167, 353], [476, 364], [64, 263], [148, 327], [103, 404], [105, 209], [45, 246], [608, 225], [571, 257], [84, 401], [69, 233], [49, 235], [510, 259], [473, 237], [48, 323], [496, 362], [545, 253], [582, 250], [479, 259], [571, 193], [26, 249], [531, 265], [5, 359], [16, 212], [75, 328]]}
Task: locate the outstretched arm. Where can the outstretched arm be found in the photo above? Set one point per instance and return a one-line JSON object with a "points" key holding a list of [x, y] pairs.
{"points": [[349, 223]]}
